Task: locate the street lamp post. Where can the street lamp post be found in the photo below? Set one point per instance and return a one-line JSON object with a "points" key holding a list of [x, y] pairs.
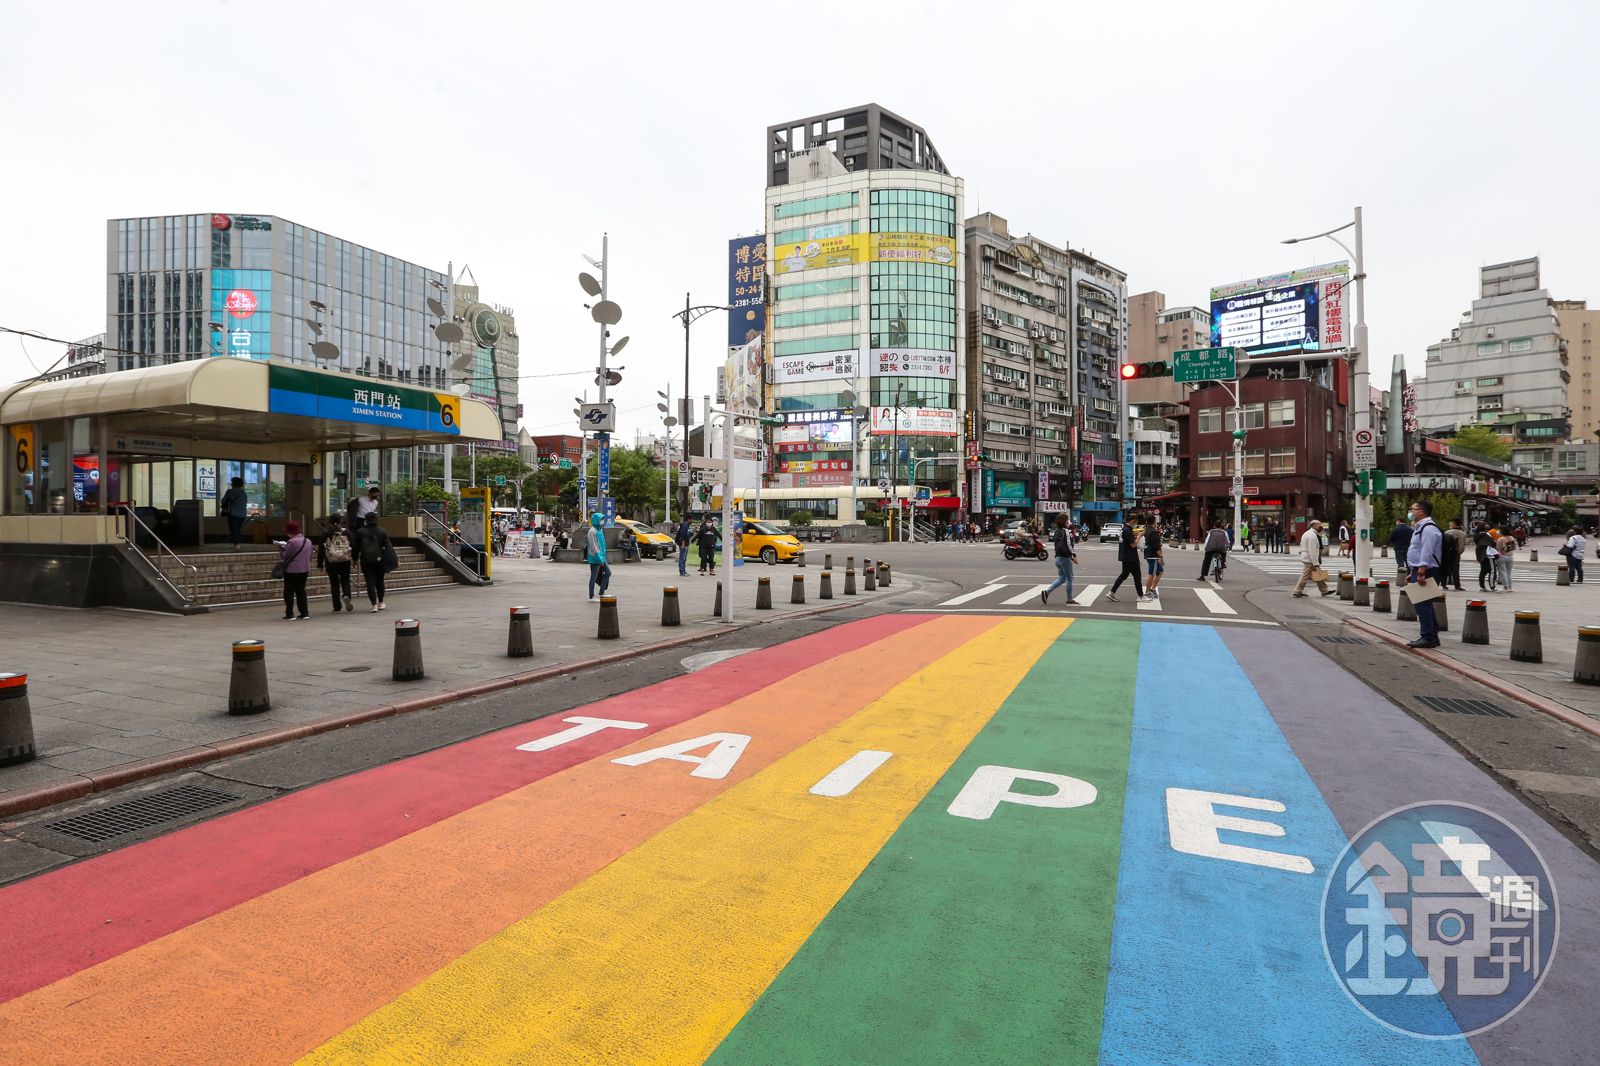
{"points": [[688, 316], [667, 420], [1361, 406]]}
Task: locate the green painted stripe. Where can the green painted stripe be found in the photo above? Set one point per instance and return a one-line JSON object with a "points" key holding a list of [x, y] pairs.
{"points": [[978, 941]]}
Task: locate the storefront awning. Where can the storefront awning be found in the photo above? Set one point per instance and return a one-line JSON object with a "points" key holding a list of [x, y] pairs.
{"points": [[255, 401]]}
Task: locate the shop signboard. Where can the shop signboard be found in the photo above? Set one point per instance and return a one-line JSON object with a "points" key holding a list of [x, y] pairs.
{"points": [[821, 366], [747, 309], [345, 398], [917, 421], [913, 362]]}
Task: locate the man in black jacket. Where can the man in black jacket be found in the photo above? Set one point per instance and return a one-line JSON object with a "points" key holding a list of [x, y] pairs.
{"points": [[1128, 556]]}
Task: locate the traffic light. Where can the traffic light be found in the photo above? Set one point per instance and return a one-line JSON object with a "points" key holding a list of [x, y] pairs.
{"points": [[1158, 368], [1372, 482]]}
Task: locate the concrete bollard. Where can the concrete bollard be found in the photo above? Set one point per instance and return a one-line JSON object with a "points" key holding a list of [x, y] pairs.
{"points": [[519, 639], [883, 574], [1526, 645], [1347, 585], [610, 625], [1586, 667], [870, 579], [1405, 612], [800, 560], [669, 606], [1533, 555], [773, 560], [825, 586], [1383, 552], [247, 688], [1442, 614], [764, 594], [1563, 575], [827, 560], [16, 721], [849, 562], [1380, 598], [849, 582], [797, 594], [1475, 627], [1361, 597], [716, 610], [408, 650]]}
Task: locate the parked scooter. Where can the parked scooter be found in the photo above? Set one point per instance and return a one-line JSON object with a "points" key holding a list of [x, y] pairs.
{"points": [[1021, 543]]}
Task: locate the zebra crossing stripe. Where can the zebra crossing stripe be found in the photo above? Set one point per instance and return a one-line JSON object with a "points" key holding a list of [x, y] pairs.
{"points": [[1089, 594], [1214, 601], [968, 597], [1024, 597]]}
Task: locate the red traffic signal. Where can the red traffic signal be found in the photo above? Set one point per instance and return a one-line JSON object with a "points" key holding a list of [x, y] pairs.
{"points": [[1158, 368]]}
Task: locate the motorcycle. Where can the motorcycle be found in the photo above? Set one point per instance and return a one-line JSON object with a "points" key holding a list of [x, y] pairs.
{"points": [[1023, 544]]}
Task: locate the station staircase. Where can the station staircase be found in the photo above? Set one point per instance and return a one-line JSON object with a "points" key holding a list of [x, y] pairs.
{"points": [[238, 578]]}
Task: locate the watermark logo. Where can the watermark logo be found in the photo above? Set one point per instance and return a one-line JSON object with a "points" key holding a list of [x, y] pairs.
{"points": [[1440, 920]]}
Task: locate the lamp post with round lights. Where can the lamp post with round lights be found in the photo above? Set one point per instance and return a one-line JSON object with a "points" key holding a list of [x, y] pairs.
{"points": [[688, 316], [607, 313], [667, 420]]}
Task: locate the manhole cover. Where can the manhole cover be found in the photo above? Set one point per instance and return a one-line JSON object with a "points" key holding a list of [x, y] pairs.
{"points": [[1342, 640], [130, 816], [1446, 705], [355, 669]]}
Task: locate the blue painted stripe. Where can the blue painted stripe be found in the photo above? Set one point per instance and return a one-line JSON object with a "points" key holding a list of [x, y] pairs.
{"points": [[1218, 961]]}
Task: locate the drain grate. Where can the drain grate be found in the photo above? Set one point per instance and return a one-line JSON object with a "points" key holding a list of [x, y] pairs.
{"points": [[354, 669], [1343, 640], [130, 816], [1447, 705]]}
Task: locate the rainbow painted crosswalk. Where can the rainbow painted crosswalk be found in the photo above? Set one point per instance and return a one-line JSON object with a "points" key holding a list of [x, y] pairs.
{"points": [[911, 839]]}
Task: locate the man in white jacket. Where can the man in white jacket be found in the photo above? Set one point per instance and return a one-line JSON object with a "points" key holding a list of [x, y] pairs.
{"points": [[1311, 559]]}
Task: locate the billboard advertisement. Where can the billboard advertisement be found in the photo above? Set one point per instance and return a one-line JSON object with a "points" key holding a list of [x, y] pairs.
{"points": [[913, 248], [913, 362], [1333, 331], [823, 366], [241, 302], [747, 306], [1271, 320], [840, 250], [919, 421], [1321, 272], [742, 376], [829, 246], [351, 399]]}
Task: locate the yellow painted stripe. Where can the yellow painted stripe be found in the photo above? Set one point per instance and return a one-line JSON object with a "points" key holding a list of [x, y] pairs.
{"points": [[656, 957]]}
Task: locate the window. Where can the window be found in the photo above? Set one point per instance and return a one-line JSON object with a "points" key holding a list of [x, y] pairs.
{"points": [[815, 204], [801, 290], [1522, 344], [1489, 348], [837, 343], [1255, 461], [1571, 461], [814, 318], [1280, 461], [1255, 416], [1486, 383], [1210, 465], [816, 233], [1280, 413], [1327, 418], [1491, 403], [1210, 420], [1327, 463]]}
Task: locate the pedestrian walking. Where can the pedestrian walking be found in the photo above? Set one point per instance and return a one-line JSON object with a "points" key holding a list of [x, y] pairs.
{"points": [[235, 507], [1216, 549], [356, 511], [1507, 546], [294, 555], [594, 553], [1574, 549], [375, 552], [333, 558], [1455, 546], [1155, 559], [1311, 561], [683, 536], [706, 545], [1424, 557], [1065, 557], [1344, 537], [1482, 545], [1128, 556], [1399, 544]]}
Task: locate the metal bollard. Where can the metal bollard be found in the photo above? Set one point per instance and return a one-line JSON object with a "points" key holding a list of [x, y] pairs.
{"points": [[716, 610], [519, 639], [1475, 627], [1361, 596], [1442, 614], [883, 574], [1347, 585], [1383, 552], [1526, 645], [669, 606], [870, 582], [610, 627], [1405, 612], [827, 560], [798, 593], [408, 650], [1533, 555], [825, 586], [1563, 575], [764, 594], [247, 688], [16, 721], [1586, 666], [1380, 598], [849, 582]]}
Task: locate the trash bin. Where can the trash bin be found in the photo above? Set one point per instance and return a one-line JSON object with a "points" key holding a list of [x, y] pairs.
{"points": [[186, 522]]}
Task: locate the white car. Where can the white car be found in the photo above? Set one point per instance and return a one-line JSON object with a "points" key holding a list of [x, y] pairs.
{"points": [[1110, 531]]}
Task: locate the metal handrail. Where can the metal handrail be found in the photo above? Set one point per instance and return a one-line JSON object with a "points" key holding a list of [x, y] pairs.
{"points": [[444, 546], [194, 571]]}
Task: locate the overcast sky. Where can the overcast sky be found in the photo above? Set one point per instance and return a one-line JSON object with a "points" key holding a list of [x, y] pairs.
{"points": [[1179, 142]]}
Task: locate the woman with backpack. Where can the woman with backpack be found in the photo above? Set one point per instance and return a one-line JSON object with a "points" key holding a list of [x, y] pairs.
{"points": [[333, 556], [294, 555], [376, 553]]}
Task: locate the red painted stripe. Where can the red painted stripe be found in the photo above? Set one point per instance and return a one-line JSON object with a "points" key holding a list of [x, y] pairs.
{"points": [[67, 919]]}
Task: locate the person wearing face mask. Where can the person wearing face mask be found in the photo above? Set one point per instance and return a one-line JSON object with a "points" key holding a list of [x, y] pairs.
{"points": [[1424, 557]]}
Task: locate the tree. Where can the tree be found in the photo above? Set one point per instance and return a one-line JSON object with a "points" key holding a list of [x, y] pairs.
{"points": [[1483, 440], [799, 518]]}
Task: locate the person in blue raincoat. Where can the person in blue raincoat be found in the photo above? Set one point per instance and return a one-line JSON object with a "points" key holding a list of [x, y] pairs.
{"points": [[595, 555]]}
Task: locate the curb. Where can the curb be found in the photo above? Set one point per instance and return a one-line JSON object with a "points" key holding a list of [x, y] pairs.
{"points": [[23, 801], [1530, 699]]}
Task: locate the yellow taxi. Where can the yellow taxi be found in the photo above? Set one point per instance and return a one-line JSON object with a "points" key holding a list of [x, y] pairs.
{"points": [[652, 545], [765, 541]]}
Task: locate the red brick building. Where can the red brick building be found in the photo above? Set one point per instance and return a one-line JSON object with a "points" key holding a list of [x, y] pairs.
{"points": [[1295, 454], [561, 445]]}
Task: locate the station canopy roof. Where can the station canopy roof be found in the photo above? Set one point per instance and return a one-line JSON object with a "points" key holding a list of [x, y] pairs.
{"points": [[253, 401]]}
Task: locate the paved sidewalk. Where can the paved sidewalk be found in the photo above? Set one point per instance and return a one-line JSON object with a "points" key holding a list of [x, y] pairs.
{"points": [[1561, 611], [109, 688]]}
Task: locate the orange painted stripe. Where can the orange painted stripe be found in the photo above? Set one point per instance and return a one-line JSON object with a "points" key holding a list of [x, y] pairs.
{"points": [[275, 977]]}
